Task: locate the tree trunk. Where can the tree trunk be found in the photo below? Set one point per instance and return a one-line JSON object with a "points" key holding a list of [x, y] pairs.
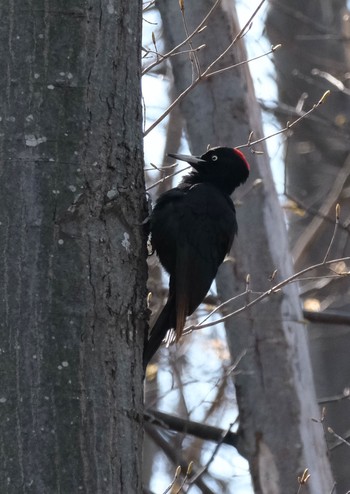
{"points": [[318, 166], [274, 388], [72, 269]]}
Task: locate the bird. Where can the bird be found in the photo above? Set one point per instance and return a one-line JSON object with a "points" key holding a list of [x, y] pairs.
{"points": [[192, 228]]}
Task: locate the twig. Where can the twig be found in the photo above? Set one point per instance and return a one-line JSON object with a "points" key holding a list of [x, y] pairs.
{"points": [[337, 213], [311, 210], [336, 398], [203, 74], [166, 178], [150, 5], [267, 293], [182, 52], [303, 479], [197, 429], [340, 438], [171, 487], [318, 278], [310, 233], [235, 39], [199, 28], [160, 169], [171, 106], [247, 289], [219, 307], [211, 459], [193, 56], [220, 384], [173, 482], [322, 421], [185, 479], [313, 316], [272, 50], [332, 80], [173, 454], [289, 125]]}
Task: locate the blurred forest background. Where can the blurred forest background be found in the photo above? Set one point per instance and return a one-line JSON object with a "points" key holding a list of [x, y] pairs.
{"points": [[255, 398], [251, 383]]}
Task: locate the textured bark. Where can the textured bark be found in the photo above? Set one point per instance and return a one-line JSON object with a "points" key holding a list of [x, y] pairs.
{"points": [[72, 268], [275, 389], [318, 166]]}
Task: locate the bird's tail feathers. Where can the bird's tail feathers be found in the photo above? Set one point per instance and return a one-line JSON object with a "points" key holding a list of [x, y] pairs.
{"points": [[175, 311], [182, 286], [181, 313]]}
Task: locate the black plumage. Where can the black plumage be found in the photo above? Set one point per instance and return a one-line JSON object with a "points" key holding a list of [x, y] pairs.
{"points": [[192, 229]]}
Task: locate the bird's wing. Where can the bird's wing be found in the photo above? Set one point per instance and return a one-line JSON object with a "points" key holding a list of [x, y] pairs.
{"points": [[206, 238], [193, 232], [165, 226]]}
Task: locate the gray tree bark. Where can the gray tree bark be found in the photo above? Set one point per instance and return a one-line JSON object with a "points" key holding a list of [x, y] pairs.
{"points": [[318, 167], [275, 389], [72, 265]]}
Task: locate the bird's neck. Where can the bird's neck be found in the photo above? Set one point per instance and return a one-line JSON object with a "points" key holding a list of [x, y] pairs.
{"points": [[192, 178], [220, 183]]}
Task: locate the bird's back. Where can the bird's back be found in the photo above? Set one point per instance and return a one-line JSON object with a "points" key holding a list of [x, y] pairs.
{"points": [[192, 227], [192, 231]]}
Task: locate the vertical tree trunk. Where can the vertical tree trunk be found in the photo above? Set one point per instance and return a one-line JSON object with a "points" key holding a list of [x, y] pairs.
{"points": [[72, 268], [275, 390], [318, 166]]}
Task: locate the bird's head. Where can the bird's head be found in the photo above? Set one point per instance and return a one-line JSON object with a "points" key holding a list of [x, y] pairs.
{"points": [[225, 167]]}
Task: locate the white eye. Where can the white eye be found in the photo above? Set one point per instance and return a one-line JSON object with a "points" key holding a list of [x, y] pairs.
{"points": [[214, 157]]}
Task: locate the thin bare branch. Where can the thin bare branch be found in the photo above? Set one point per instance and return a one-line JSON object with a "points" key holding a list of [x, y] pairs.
{"points": [[203, 74], [170, 107], [337, 436], [149, 5], [197, 429], [266, 294], [309, 234], [332, 80], [160, 169], [193, 56], [185, 479], [212, 457], [289, 125], [303, 479], [166, 178], [173, 482], [219, 307], [336, 398], [337, 213], [313, 211], [173, 454], [182, 52], [199, 28], [333, 488], [235, 39], [273, 49]]}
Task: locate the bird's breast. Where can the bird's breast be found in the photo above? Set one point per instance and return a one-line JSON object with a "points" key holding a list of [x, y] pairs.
{"points": [[200, 218]]}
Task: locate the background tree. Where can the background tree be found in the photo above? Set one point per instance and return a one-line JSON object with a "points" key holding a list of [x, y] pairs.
{"points": [[315, 57], [72, 268], [276, 401]]}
